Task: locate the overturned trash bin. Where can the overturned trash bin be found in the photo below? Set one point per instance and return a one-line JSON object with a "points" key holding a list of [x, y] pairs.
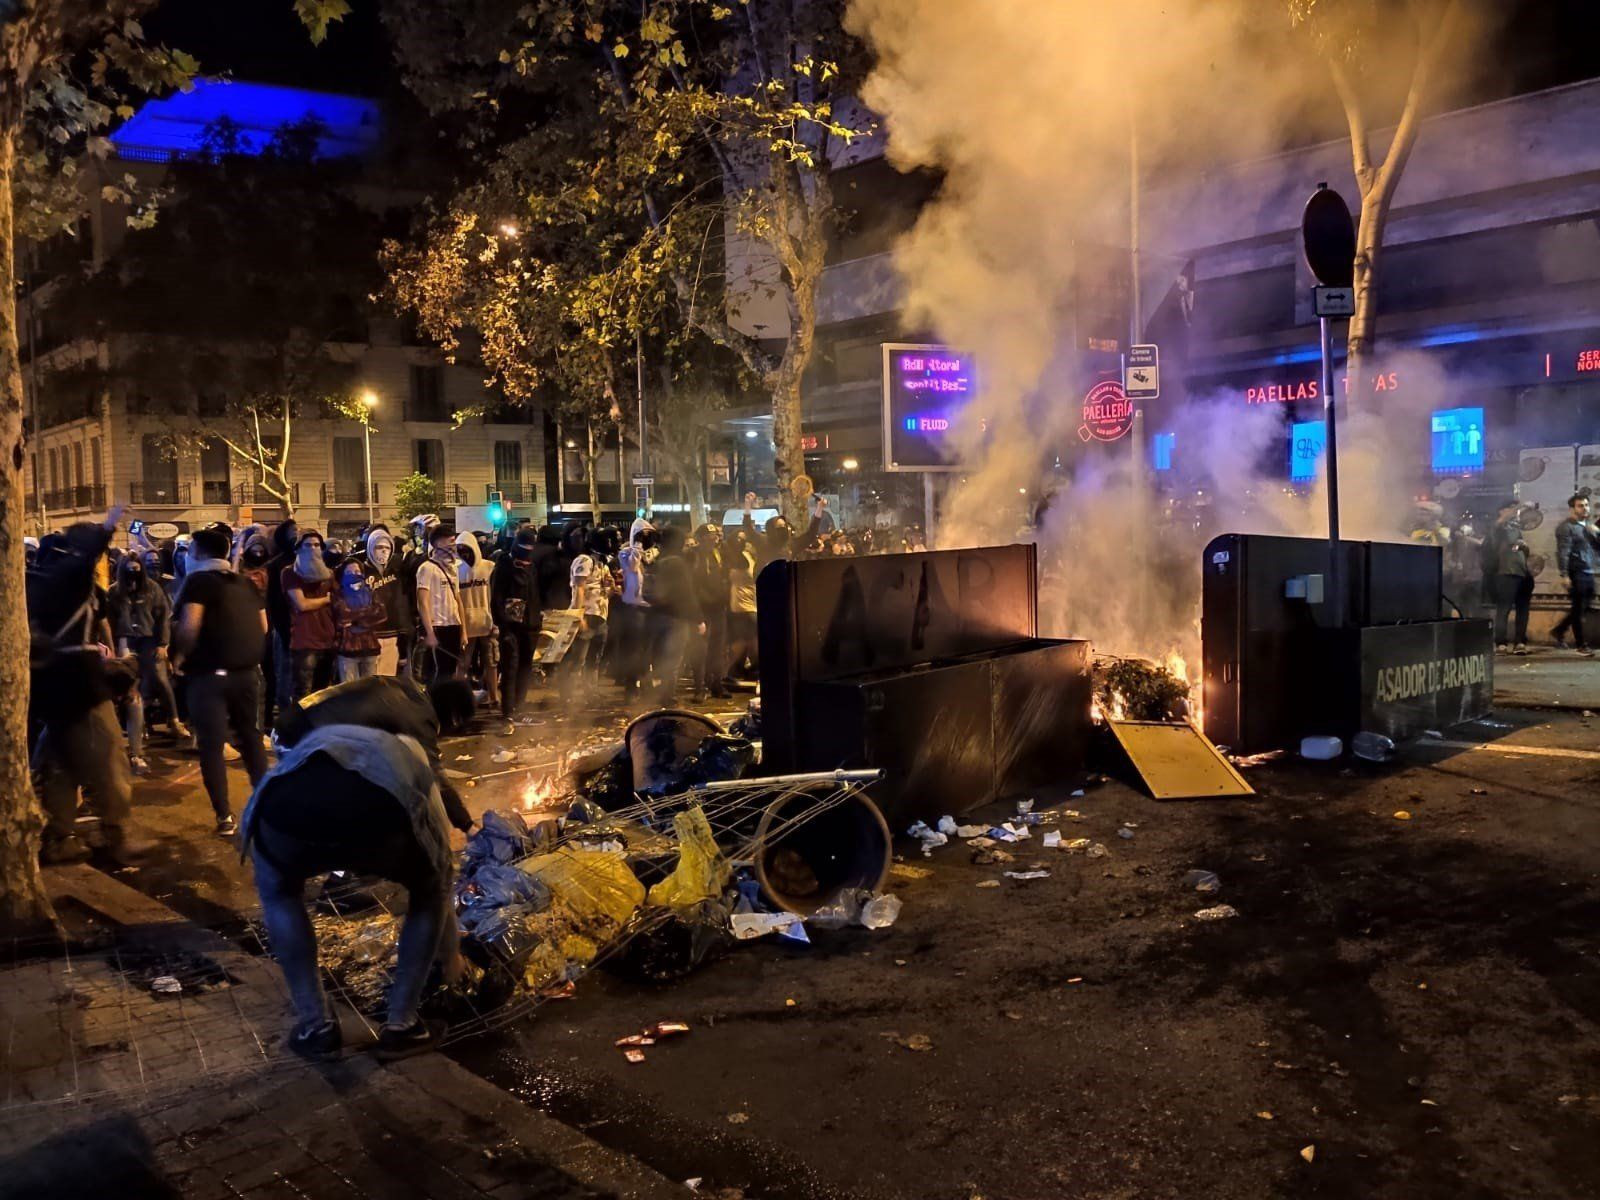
{"points": [[662, 746], [804, 858]]}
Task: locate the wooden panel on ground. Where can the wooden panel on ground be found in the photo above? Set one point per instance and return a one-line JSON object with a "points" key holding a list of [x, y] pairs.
{"points": [[1178, 762]]}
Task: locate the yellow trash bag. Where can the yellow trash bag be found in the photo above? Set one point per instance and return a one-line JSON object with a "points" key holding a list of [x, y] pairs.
{"points": [[702, 872], [595, 888]]}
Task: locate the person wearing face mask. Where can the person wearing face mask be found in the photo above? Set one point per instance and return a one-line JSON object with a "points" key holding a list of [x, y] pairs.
{"points": [[514, 606], [308, 588], [473, 574], [439, 605], [383, 578], [141, 621], [356, 618]]}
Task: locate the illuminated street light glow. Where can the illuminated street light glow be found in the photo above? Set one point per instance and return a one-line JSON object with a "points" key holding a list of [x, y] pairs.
{"points": [[849, 464], [369, 398]]}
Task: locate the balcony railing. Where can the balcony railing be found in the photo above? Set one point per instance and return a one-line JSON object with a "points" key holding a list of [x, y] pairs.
{"points": [[353, 493], [87, 498], [442, 496], [255, 493], [159, 493], [514, 493]]}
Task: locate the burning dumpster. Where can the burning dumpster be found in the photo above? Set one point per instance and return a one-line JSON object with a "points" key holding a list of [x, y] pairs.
{"points": [[928, 666]]}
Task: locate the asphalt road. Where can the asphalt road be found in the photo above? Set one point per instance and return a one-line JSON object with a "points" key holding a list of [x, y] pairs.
{"points": [[1416, 1001], [1411, 1005]]}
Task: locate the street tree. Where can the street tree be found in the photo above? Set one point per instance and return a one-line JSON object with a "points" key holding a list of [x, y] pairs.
{"points": [[67, 70], [1354, 37], [690, 140], [228, 311]]}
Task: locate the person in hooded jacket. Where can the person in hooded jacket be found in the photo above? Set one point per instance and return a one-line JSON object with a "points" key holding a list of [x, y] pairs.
{"points": [[514, 606], [629, 632], [591, 597], [383, 577], [674, 614], [279, 616], [308, 588], [72, 699], [141, 622], [357, 616], [550, 567], [481, 653], [416, 553]]}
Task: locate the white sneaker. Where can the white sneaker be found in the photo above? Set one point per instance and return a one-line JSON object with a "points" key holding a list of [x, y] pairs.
{"points": [[139, 765], [230, 752]]}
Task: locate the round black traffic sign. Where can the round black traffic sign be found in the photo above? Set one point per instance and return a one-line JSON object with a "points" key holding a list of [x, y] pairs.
{"points": [[1329, 238]]}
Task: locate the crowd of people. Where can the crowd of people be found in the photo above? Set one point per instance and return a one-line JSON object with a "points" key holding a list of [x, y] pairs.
{"points": [[216, 634]]}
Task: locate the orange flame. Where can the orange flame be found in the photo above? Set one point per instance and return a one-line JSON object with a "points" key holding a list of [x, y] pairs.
{"points": [[539, 793]]}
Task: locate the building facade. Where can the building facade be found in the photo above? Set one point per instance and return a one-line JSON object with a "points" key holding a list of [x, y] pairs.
{"points": [[163, 454]]}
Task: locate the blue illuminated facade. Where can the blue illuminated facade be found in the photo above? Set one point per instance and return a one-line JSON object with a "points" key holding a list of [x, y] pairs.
{"points": [[175, 127]]}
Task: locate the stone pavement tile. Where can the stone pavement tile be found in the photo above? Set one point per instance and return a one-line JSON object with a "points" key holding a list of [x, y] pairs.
{"points": [[322, 1183]]}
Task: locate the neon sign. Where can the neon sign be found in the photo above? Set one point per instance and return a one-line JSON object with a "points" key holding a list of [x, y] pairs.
{"points": [[925, 389], [1107, 412], [1288, 391], [1588, 360], [1308, 441], [1457, 440]]}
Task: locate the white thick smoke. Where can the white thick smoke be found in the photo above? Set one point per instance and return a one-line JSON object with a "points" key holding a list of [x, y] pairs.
{"points": [[1028, 108]]}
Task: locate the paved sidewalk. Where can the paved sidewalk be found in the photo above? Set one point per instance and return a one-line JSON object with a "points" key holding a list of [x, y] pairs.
{"points": [[1547, 678], [113, 1086]]}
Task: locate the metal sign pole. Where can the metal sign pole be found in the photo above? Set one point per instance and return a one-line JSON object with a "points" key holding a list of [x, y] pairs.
{"points": [[1331, 455]]}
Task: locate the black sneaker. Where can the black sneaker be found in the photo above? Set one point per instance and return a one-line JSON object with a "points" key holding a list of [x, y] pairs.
{"points": [[316, 1043], [227, 826], [419, 1038]]}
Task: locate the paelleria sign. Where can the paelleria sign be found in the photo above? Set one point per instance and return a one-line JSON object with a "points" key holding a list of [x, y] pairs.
{"points": [[1107, 412]]}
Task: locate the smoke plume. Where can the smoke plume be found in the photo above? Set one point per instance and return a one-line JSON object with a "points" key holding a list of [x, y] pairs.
{"points": [[1028, 109]]}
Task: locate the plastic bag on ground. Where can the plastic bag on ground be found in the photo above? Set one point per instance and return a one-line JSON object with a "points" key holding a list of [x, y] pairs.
{"points": [[502, 838], [881, 911], [753, 925], [702, 871]]}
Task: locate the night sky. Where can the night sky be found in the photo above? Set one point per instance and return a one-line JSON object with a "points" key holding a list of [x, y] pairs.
{"points": [[1544, 43]]}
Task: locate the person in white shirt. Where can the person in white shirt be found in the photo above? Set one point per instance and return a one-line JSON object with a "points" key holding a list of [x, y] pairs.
{"points": [[591, 598], [481, 651], [439, 605]]}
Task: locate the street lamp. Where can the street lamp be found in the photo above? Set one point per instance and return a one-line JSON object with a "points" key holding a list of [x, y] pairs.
{"points": [[369, 401]]}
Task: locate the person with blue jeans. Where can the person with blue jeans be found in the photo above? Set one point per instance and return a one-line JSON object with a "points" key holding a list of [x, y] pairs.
{"points": [[358, 789], [1577, 551]]}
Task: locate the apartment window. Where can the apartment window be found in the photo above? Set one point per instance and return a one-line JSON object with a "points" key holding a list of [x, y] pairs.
{"points": [[349, 471], [427, 394], [160, 469], [508, 462], [55, 475], [213, 404], [97, 476], [428, 458], [215, 484], [77, 464]]}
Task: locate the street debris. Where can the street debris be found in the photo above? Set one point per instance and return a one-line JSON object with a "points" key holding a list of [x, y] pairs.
{"points": [[1097, 850], [968, 832], [989, 883], [1402, 815], [1125, 834], [931, 839], [633, 1056], [738, 1118], [1024, 875], [857, 906], [1052, 840], [758, 924], [1372, 747], [1264, 1115], [1220, 912], [907, 871], [1024, 807], [915, 1041], [1205, 882], [503, 756], [1309, 1153], [166, 985]]}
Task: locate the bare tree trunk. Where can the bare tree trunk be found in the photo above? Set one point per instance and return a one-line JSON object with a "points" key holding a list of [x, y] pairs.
{"points": [[1378, 182], [591, 460], [788, 455], [23, 902]]}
